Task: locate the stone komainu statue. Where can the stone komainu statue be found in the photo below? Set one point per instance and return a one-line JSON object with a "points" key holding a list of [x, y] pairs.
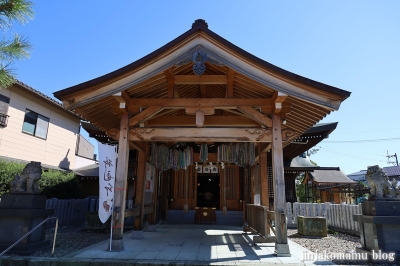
{"points": [[28, 181], [379, 183]]}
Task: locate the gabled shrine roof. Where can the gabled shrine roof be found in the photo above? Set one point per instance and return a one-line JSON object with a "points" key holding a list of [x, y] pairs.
{"points": [[168, 74], [201, 26], [330, 176]]}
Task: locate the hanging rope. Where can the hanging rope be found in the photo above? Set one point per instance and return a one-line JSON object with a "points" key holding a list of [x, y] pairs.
{"points": [[224, 209], [186, 207], [203, 152]]}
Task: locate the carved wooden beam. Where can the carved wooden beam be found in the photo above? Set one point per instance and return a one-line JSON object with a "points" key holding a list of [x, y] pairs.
{"points": [[257, 116], [201, 134], [215, 121], [288, 134], [113, 133], [203, 79], [218, 103]]}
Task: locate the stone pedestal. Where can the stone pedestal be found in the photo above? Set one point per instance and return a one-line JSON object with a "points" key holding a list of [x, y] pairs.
{"points": [[20, 213], [380, 229]]}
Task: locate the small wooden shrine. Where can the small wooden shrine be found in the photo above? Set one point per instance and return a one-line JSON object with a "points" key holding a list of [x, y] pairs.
{"points": [[331, 185]]}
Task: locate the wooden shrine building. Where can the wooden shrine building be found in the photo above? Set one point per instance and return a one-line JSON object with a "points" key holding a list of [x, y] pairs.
{"points": [[332, 185], [202, 94]]}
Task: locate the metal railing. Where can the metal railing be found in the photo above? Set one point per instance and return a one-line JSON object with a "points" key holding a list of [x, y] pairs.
{"points": [[27, 234]]}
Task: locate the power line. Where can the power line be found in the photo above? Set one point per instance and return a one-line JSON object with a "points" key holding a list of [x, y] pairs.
{"points": [[352, 155], [367, 131], [361, 141]]}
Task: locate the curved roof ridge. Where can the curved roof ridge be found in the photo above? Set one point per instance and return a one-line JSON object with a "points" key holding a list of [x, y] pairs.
{"points": [[201, 25]]}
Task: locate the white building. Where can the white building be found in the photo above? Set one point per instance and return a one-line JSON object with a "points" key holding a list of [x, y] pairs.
{"points": [[35, 127]]}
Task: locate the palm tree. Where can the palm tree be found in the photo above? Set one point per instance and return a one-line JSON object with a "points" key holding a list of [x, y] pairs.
{"points": [[17, 47]]}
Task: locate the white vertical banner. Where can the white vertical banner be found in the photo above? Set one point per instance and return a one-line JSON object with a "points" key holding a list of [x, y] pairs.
{"points": [[107, 166], [150, 173]]}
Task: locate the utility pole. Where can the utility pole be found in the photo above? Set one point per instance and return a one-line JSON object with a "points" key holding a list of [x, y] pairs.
{"points": [[392, 162]]}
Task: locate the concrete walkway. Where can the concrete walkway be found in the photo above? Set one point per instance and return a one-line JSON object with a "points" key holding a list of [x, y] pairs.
{"points": [[185, 245]]}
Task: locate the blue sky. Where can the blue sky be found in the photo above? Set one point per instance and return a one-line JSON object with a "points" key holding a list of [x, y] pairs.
{"points": [[352, 45]]}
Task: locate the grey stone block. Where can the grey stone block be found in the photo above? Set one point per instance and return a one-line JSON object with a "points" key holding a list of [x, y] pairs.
{"points": [[312, 226]]}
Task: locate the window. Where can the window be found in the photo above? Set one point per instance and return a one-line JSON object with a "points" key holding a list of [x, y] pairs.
{"points": [[35, 124], [4, 101]]}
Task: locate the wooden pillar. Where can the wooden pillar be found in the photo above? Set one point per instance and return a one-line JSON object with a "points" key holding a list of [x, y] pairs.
{"points": [[264, 179], [246, 192], [120, 185], [281, 245], [264, 182], [140, 187], [164, 197], [255, 185], [153, 216]]}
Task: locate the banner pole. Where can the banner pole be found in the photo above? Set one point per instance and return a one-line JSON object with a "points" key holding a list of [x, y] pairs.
{"points": [[112, 218]]}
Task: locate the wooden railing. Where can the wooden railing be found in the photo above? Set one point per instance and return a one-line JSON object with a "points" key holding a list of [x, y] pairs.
{"points": [[257, 219]]}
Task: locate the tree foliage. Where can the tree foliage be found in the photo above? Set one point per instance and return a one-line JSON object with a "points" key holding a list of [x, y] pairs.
{"points": [[58, 184], [53, 184], [8, 170], [300, 189], [17, 47]]}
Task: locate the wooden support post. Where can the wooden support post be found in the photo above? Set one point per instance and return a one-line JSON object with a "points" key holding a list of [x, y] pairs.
{"points": [[164, 197], [245, 192], [264, 179], [264, 182], [281, 245], [252, 186], [120, 185], [153, 216], [140, 186]]}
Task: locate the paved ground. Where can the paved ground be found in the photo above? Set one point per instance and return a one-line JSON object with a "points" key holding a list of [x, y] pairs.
{"points": [[183, 245]]}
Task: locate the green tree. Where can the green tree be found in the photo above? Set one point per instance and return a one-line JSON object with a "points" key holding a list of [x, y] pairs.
{"points": [[300, 189], [17, 47], [53, 184]]}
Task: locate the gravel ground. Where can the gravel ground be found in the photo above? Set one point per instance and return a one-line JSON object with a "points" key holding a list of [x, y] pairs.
{"points": [[73, 238], [69, 239], [334, 243]]}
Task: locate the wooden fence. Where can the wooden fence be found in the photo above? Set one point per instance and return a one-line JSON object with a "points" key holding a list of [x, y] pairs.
{"points": [[338, 216], [73, 211]]}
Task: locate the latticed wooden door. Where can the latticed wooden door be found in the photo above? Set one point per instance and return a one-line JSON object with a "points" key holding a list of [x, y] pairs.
{"points": [[230, 188], [184, 183]]}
